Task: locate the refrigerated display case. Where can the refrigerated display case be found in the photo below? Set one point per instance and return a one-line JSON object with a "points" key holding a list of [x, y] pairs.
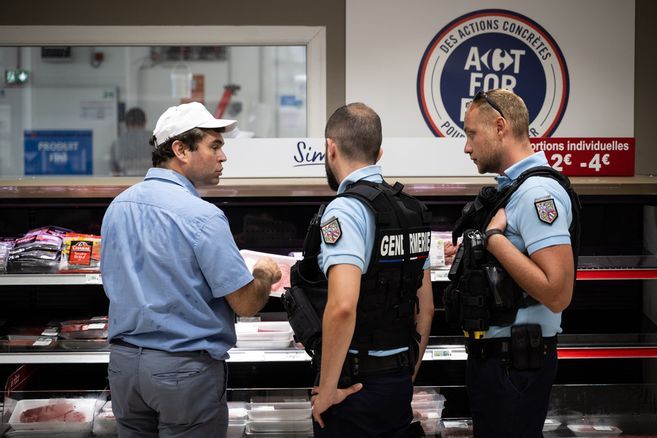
{"points": [[610, 329]]}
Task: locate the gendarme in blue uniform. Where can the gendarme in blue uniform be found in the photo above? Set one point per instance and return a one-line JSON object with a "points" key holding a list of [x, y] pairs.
{"points": [[358, 233], [528, 233], [177, 306]]}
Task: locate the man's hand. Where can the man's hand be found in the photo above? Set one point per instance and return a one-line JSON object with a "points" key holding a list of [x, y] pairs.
{"points": [[323, 400], [449, 249], [267, 269]]}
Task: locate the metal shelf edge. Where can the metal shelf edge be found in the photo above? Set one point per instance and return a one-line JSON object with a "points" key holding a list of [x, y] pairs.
{"points": [[437, 352]]}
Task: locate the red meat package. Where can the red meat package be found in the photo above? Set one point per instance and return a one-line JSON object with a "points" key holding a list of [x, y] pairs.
{"points": [[57, 416], [80, 253], [58, 410], [95, 328]]}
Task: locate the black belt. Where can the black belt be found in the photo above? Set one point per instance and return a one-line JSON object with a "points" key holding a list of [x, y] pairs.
{"points": [[123, 343], [500, 347], [360, 365]]}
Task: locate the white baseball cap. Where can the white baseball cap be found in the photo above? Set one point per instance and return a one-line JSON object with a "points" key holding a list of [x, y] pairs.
{"points": [[178, 119]]}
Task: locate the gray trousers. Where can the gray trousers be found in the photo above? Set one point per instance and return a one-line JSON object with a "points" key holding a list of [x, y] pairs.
{"points": [[171, 395]]}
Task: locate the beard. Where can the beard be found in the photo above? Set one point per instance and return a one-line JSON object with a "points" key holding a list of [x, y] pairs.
{"points": [[491, 162], [330, 178]]}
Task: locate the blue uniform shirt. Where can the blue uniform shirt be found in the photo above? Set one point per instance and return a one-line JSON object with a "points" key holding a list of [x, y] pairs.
{"points": [[357, 231], [528, 233], [167, 260]]}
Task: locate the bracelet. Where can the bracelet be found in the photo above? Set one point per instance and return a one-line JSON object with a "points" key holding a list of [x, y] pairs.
{"points": [[491, 232]]}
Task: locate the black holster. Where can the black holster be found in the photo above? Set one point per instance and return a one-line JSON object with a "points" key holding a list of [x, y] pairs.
{"points": [[303, 319]]}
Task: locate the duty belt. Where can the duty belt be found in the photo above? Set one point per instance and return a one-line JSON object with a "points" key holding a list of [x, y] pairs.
{"points": [[500, 348], [361, 365]]}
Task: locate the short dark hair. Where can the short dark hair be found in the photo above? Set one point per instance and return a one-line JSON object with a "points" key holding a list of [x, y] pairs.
{"points": [[356, 129], [135, 117], [164, 152]]}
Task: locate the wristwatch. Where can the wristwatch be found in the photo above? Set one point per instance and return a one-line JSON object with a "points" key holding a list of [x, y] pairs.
{"points": [[491, 232]]}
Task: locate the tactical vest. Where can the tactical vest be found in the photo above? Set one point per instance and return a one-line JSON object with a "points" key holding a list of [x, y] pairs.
{"points": [[388, 292], [481, 293]]}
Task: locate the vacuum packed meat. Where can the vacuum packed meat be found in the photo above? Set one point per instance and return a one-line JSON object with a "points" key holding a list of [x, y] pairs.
{"points": [[59, 410], [284, 282]]}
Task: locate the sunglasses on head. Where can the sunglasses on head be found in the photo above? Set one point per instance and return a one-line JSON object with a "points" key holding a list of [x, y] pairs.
{"points": [[483, 95]]}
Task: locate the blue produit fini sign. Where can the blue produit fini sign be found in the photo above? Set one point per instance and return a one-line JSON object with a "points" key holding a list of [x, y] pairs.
{"points": [[58, 152]]}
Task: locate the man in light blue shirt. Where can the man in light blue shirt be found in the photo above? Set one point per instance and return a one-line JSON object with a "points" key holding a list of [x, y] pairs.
{"points": [[175, 280], [511, 370]]}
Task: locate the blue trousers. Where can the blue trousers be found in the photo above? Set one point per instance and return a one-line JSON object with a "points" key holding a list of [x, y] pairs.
{"points": [[505, 402], [382, 409], [172, 395]]}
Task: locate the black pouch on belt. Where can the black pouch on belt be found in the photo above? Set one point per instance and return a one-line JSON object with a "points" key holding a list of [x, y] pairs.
{"points": [[527, 349], [303, 318]]}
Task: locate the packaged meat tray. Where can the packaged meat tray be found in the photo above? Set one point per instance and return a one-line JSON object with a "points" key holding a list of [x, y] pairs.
{"points": [[236, 429], [278, 426], [94, 328], [284, 263], [456, 428], [279, 411], [28, 342], [83, 344], [80, 253], [236, 419], [551, 425], [5, 246], [54, 415], [263, 334], [19, 332], [594, 430], [47, 238], [428, 414]]}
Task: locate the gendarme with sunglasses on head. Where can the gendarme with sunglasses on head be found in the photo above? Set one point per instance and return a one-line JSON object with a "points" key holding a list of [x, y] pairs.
{"points": [[514, 272]]}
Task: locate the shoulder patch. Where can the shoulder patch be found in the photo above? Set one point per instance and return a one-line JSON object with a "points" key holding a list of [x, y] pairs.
{"points": [[546, 210], [331, 231]]}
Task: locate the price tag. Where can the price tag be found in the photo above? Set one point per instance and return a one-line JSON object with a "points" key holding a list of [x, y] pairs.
{"points": [[42, 342], [588, 156], [93, 279], [441, 354], [439, 275], [238, 356], [284, 356], [50, 331]]}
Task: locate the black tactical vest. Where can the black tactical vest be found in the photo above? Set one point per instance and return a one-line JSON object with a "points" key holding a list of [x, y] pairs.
{"points": [[481, 293], [388, 293]]}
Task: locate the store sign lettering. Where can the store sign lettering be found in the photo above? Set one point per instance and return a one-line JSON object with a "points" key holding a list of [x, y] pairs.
{"points": [[583, 156], [306, 155]]}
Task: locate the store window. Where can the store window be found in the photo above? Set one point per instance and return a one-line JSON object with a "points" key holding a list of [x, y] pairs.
{"points": [[88, 107]]}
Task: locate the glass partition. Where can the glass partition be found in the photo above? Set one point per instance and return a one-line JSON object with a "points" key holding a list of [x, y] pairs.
{"points": [[90, 110]]}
